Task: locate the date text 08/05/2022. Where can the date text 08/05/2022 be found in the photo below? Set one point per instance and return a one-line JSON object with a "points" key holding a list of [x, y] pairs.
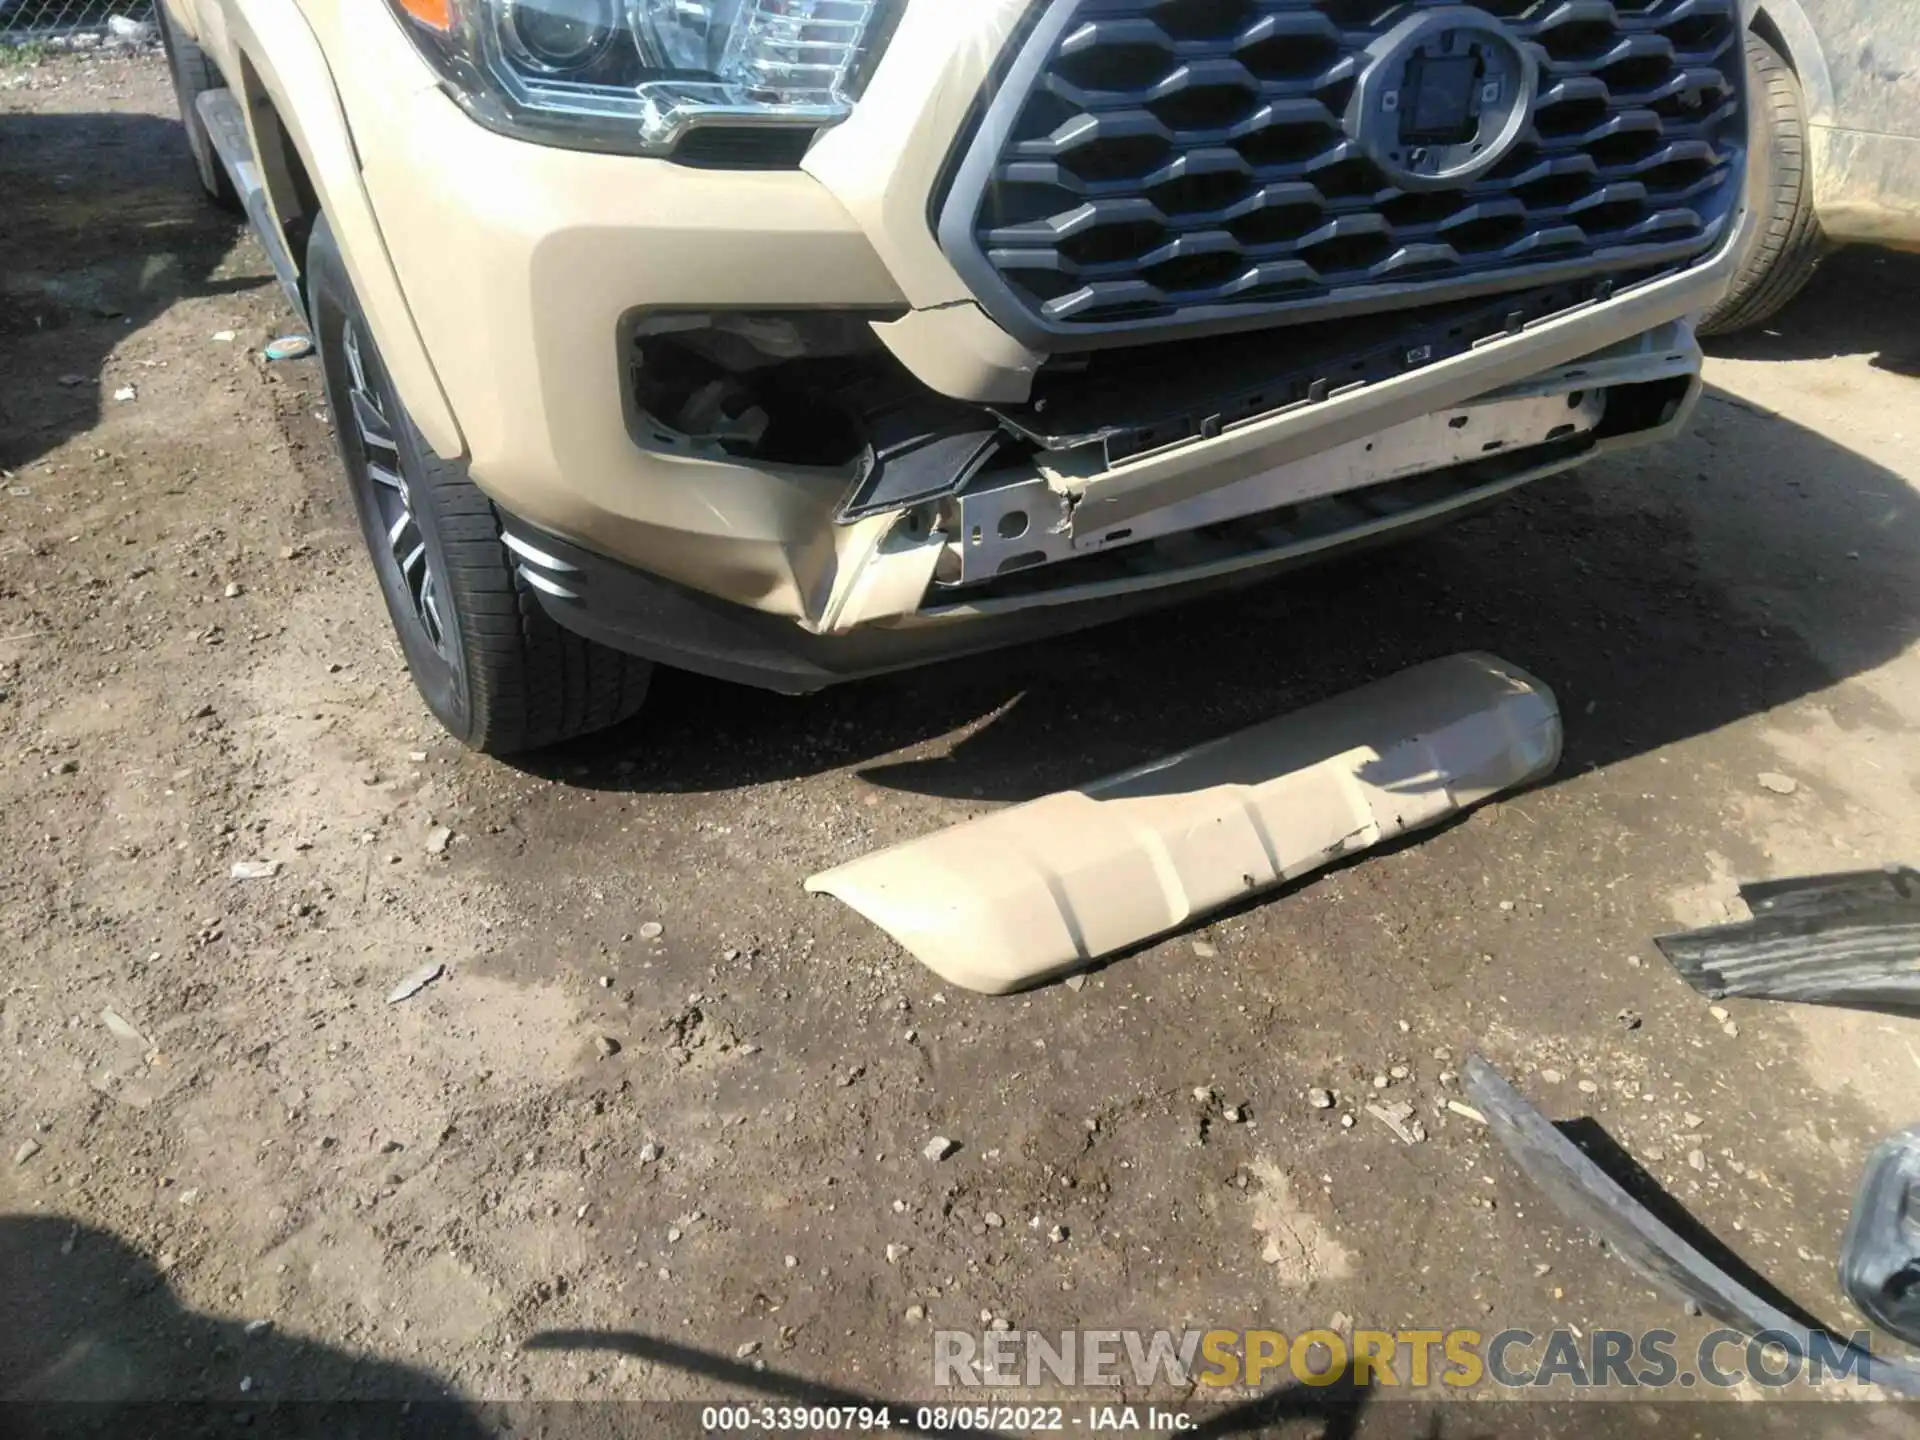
{"points": [[945, 1419]]}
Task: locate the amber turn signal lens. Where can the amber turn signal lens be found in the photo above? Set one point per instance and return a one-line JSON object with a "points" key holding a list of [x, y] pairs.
{"points": [[435, 14]]}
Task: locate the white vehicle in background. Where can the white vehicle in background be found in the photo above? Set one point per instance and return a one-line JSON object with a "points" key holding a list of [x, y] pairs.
{"points": [[1836, 151]]}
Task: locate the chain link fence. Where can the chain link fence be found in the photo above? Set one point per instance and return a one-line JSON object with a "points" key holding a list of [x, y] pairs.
{"points": [[25, 21]]}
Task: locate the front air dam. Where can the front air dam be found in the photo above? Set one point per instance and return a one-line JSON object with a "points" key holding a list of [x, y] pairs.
{"points": [[1048, 887]]}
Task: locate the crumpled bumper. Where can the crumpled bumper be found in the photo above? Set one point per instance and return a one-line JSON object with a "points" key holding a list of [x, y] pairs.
{"points": [[527, 322]]}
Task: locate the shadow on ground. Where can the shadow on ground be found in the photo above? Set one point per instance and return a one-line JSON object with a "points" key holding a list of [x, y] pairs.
{"points": [[103, 226], [1344, 1402], [1594, 581], [93, 1341], [1862, 301], [1329, 1409]]}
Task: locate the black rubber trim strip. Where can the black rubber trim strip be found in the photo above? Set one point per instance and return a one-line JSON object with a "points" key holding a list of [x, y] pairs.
{"points": [[642, 614], [1880, 1260], [1850, 939], [1589, 1196]]}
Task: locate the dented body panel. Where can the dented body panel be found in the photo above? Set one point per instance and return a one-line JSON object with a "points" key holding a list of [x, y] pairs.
{"points": [[532, 351]]}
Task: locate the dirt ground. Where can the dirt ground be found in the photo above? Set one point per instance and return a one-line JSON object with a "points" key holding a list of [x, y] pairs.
{"points": [[463, 1195]]}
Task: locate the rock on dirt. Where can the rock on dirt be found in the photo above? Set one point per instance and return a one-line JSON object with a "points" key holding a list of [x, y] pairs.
{"points": [[939, 1148], [1398, 1118], [415, 983], [123, 1029]]}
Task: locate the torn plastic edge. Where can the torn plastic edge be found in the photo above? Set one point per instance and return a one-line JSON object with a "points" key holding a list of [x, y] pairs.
{"points": [[1590, 1197], [1850, 939], [1880, 1258], [1039, 890], [930, 466]]}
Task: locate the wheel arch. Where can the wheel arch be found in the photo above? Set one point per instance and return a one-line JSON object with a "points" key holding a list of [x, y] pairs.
{"points": [[1784, 25], [305, 149], [184, 16]]}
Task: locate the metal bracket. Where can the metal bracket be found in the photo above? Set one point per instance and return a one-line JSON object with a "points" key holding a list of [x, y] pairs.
{"points": [[1030, 521]]}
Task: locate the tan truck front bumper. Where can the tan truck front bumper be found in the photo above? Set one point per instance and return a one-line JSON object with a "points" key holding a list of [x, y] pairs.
{"points": [[523, 265]]}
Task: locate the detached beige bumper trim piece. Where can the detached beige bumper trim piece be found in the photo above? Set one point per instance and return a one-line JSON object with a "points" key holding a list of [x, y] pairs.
{"points": [[1045, 888]]}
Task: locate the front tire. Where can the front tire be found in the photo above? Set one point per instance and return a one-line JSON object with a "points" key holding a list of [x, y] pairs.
{"points": [[491, 664], [1782, 248]]}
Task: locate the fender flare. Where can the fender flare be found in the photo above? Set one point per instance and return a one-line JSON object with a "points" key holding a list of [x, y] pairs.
{"points": [[284, 67], [1804, 53]]}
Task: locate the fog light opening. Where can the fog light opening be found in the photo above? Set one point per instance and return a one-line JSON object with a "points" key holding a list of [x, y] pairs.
{"points": [[763, 386]]}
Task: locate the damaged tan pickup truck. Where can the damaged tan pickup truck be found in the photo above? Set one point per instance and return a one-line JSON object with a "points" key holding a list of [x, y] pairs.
{"points": [[795, 340]]}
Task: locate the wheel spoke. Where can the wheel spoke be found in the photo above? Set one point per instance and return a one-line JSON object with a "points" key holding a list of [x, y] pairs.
{"points": [[430, 611], [392, 499], [350, 338], [372, 425]]}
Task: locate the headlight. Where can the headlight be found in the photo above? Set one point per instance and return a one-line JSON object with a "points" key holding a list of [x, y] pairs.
{"points": [[636, 75]]}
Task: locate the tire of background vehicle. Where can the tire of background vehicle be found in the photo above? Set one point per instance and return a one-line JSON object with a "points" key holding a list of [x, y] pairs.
{"points": [[1779, 254], [193, 75], [500, 675]]}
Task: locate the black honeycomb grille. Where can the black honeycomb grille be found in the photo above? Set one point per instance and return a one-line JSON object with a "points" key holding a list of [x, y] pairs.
{"points": [[1178, 164]]}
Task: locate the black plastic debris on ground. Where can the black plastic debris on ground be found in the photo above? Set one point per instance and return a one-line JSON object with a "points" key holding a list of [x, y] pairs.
{"points": [[1589, 1196], [1851, 939], [1880, 1261]]}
